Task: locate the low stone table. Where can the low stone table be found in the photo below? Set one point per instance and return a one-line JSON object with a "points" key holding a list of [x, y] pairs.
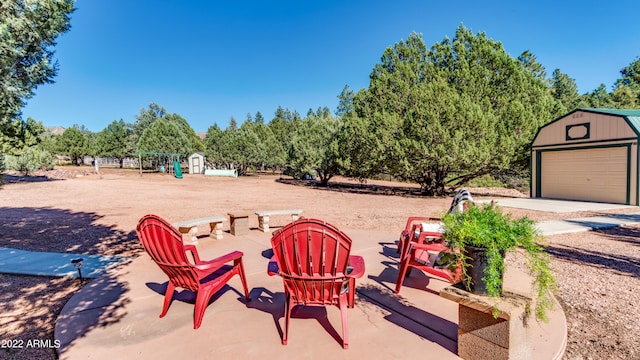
{"points": [[239, 223], [481, 335]]}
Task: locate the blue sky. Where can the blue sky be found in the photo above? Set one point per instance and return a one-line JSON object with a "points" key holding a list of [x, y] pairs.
{"points": [[212, 60]]}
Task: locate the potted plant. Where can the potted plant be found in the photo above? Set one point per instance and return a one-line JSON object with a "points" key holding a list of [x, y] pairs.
{"points": [[481, 236]]}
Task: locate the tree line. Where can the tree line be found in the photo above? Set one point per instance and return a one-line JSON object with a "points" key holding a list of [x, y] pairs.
{"points": [[438, 116]]}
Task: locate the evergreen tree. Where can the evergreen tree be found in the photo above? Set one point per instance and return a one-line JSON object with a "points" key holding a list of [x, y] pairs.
{"points": [[146, 118], [271, 153], [626, 93], [195, 143], [345, 103], [444, 116], [565, 90], [598, 98], [310, 113], [233, 125], [314, 148], [73, 142], [154, 113], [259, 118], [166, 136], [29, 30], [23, 134], [281, 127], [240, 148], [212, 143], [530, 62], [115, 141], [630, 74]]}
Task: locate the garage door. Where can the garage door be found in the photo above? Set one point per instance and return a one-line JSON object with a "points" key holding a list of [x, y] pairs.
{"points": [[588, 175]]}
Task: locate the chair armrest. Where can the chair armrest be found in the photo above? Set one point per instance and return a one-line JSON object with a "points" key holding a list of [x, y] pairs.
{"points": [[413, 219], [194, 252], [218, 262], [272, 267], [356, 262]]}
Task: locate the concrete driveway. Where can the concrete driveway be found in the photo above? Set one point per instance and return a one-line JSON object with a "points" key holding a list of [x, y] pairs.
{"points": [[557, 206]]}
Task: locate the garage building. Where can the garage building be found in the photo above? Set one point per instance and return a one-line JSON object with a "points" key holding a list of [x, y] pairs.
{"points": [[588, 155]]}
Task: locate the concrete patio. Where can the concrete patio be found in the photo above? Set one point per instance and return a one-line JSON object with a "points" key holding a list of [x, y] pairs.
{"points": [[116, 315]]}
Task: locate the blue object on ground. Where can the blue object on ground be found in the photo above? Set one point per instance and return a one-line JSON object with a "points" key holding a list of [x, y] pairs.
{"points": [[23, 262]]}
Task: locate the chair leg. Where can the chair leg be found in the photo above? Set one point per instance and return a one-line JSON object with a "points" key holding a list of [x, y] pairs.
{"points": [[343, 316], [202, 300], [243, 278], [287, 316], [168, 295], [352, 292], [401, 274]]}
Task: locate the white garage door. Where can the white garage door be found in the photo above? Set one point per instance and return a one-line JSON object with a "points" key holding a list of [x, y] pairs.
{"points": [[588, 175]]}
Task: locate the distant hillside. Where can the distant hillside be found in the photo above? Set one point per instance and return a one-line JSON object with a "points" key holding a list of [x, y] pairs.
{"points": [[55, 130]]}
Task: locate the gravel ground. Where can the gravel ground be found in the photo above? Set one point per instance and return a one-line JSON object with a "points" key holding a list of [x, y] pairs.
{"points": [[598, 272], [598, 277]]}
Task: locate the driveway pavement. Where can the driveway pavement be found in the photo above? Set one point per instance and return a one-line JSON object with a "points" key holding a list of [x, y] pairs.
{"points": [[557, 206]]}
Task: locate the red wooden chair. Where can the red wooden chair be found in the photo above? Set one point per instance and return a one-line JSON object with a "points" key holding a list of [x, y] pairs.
{"points": [[414, 224], [313, 259], [417, 225], [426, 254], [164, 244]]}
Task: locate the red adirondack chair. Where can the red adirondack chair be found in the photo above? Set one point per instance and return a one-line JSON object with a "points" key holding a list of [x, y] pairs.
{"points": [[423, 254], [418, 228], [164, 244], [313, 259]]}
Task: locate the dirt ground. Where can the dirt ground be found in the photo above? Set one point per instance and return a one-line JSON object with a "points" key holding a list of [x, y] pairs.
{"points": [[76, 210]]}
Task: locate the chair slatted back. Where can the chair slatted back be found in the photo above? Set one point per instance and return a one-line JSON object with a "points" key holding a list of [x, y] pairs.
{"points": [[164, 244], [312, 256]]}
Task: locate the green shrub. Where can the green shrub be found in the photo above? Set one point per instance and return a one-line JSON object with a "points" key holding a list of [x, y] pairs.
{"points": [[32, 159], [2, 168], [485, 181]]}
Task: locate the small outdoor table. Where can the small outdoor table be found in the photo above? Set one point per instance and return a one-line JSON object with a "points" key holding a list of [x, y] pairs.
{"points": [[239, 223]]}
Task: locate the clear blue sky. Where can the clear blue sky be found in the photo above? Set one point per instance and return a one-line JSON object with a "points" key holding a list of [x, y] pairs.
{"points": [[211, 60]]}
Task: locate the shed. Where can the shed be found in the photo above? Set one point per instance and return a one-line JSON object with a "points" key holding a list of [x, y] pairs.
{"points": [[588, 155], [196, 163]]}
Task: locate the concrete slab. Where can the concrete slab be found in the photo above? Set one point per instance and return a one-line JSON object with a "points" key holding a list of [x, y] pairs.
{"points": [[555, 227], [14, 261], [116, 315], [557, 206]]}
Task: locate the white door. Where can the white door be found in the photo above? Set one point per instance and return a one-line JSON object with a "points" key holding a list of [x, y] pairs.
{"points": [[589, 175], [196, 165]]}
